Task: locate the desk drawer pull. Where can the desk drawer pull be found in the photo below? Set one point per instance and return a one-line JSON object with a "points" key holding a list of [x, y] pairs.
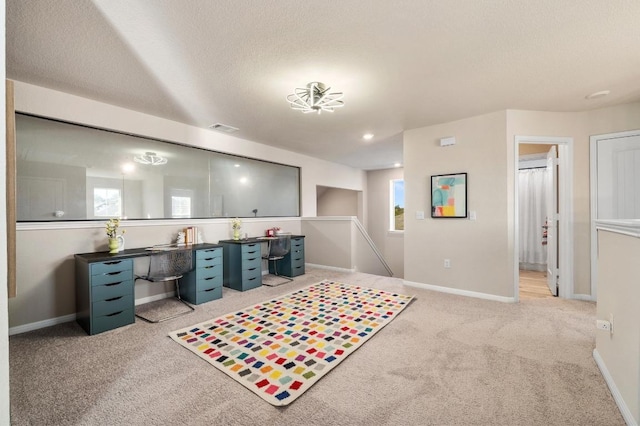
{"points": [[251, 269], [251, 279], [252, 259], [111, 284], [115, 262], [209, 258], [114, 298], [114, 314], [114, 273], [210, 278], [209, 289]]}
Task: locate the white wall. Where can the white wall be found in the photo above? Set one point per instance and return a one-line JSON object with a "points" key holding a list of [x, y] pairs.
{"points": [[485, 150], [478, 250], [390, 243], [337, 202], [619, 294], [50, 286]]}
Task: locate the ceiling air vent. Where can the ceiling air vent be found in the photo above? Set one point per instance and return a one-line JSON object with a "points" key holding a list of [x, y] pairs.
{"points": [[223, 128]]}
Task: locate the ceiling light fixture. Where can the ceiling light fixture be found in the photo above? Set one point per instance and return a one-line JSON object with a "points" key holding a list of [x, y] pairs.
{"points": [[367, 136], [150, 158], [315, 98]]}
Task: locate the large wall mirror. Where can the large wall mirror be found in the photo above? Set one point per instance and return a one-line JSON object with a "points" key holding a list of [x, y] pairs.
{"points": [[72, 172]]}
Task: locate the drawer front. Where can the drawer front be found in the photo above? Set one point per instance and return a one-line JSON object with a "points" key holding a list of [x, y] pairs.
{"points": [[208, 295], [297, 244], [252, 263], [109, 291], [251, 255], [111, 321], [297, 270], [298, 253], [297, 262], [111, 277], [209, 283], [111, 266], [209, 253], [250, 274], [112, 305], [208, 261], [251, 248], [208, 272]]}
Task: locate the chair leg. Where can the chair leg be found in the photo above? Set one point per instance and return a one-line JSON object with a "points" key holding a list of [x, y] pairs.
{"points": [[275, 270], [191, 308]]}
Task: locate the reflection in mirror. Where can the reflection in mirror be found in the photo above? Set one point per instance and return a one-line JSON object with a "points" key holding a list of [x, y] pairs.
{"points": [[72, 172]]}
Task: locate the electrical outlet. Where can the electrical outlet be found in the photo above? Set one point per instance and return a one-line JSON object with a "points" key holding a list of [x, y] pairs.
{"points": [[603, 325], [611, 324], [447, 263]]}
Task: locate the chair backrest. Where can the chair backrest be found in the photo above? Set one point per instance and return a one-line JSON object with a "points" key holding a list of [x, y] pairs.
{"points": [[280, 246], [168, 265]]}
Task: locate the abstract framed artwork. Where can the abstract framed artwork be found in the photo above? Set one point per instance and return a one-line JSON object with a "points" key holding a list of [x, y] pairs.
{"points": [[449, 196]]}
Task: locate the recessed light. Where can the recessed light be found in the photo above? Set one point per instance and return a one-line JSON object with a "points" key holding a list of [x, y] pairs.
{"points": [[236, 165], [367, 136], [598, 94], [397, 165]]}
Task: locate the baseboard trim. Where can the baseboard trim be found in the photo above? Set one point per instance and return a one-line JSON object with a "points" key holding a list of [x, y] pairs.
{"points": [[155, 297], [459, 292], [19, 329], [617, 396], [330, 268], [585, 297]]}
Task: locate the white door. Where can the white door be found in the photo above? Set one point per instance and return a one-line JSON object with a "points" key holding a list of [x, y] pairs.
{"points": [[552, 220]]}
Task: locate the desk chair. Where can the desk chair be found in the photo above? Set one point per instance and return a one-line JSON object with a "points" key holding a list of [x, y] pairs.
{"points": [[169, 266], [279, 247]]}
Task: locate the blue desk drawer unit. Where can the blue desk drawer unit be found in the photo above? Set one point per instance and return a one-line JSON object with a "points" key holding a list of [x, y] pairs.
{"points": [[204, 283], [242, 265], [293, 263], [104, 296]]}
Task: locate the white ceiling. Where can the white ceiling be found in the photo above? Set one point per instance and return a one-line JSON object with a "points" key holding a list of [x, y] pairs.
{"points": [[401, 64]]}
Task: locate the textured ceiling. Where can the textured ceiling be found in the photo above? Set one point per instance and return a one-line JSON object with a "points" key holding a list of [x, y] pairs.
{"points": [[401, 64]]}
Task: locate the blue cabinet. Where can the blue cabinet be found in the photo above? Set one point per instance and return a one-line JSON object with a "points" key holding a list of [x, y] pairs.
{"points": [[293, 263], [242, 264], [104, 295], [204, 283]]}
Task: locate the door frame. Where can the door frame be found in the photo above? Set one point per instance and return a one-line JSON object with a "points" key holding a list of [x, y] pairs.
{"points": [[593, 196], [565, 210]]}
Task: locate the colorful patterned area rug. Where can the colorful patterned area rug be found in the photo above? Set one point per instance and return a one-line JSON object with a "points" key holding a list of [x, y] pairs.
{"points": [[278, 349]]}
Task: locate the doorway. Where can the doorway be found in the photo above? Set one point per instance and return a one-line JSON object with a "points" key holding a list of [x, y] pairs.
{"points": [[557, 230]]}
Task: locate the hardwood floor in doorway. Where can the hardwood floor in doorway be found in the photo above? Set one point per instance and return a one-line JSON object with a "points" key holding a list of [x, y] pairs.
{"points": [[533, 285]]}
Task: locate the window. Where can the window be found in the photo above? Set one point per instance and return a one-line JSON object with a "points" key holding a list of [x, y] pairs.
{"points": [[107, 202], [397, 205], [180, 206]]}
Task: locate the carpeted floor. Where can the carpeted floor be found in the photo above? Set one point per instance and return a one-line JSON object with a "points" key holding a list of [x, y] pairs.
{"points": [[446, 360]]}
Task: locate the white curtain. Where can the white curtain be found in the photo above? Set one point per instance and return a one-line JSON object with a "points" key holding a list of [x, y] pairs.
{"points": [[532, 216]]}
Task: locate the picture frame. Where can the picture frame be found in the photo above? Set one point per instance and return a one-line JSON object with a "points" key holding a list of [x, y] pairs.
{"points": [[449, 196]]}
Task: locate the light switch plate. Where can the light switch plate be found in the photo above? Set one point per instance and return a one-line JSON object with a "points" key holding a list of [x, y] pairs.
{"points": [[420, 215], [472, 215]]}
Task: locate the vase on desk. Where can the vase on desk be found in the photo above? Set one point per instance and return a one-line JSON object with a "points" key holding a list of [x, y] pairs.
{"points": [[236, 233], [115, 244]]}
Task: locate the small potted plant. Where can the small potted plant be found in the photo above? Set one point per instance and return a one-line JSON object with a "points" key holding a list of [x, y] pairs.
{"points": [[236, 225], [116, 242]]}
